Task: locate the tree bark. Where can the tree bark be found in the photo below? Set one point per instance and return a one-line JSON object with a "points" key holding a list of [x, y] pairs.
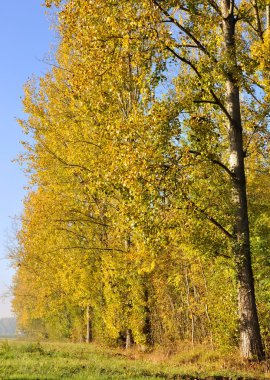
{"points": [[251, 346]]}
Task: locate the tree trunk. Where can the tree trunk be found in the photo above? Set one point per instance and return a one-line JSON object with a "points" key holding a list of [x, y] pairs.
{"points": [[147, 320], [250, 337], [129, 339], [88, 326], [267, 16]]}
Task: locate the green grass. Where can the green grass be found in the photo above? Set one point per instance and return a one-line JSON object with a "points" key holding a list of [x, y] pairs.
{"points": [[51, 361]]}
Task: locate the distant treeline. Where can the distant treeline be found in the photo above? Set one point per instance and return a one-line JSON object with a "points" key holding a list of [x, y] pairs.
{"points": [[7, 327]]}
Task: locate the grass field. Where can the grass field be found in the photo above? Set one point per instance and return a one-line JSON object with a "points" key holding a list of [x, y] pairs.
{"points": [[51, 361]]}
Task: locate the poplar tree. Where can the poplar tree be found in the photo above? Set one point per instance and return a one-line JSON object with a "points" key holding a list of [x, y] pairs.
{"points": [[214, 39]]}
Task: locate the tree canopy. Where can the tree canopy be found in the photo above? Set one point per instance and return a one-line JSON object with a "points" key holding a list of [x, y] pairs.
{"points": [[148, 166]]}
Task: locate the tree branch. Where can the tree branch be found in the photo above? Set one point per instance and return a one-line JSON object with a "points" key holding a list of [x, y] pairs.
{"points": [[61, 159], [205, 101], [214, 5], [184, 60], [72, 232], [183, 29], [194, 68], [81, 220], [86, 248], [211, 219], [215, 161]]}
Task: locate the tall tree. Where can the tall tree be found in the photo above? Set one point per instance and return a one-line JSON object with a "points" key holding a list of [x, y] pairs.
{"points": [[250, 339], [228, 87]]}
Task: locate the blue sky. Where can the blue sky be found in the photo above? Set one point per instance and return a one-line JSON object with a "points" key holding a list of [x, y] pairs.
{"points": [[26, 38]]}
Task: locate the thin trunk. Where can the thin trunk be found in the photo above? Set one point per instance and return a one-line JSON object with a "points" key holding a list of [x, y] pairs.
{"points": [[258, 19], [250, 337], [147, 319], [267, 16], [88, 326], [129, 339], [190, 314], [206, 307]]}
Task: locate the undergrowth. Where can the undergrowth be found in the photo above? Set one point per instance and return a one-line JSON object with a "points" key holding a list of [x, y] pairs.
{"points": [[52, 361]]}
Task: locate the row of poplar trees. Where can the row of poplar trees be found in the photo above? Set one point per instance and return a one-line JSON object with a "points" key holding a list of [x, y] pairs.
{"points": [[147, 218]]}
